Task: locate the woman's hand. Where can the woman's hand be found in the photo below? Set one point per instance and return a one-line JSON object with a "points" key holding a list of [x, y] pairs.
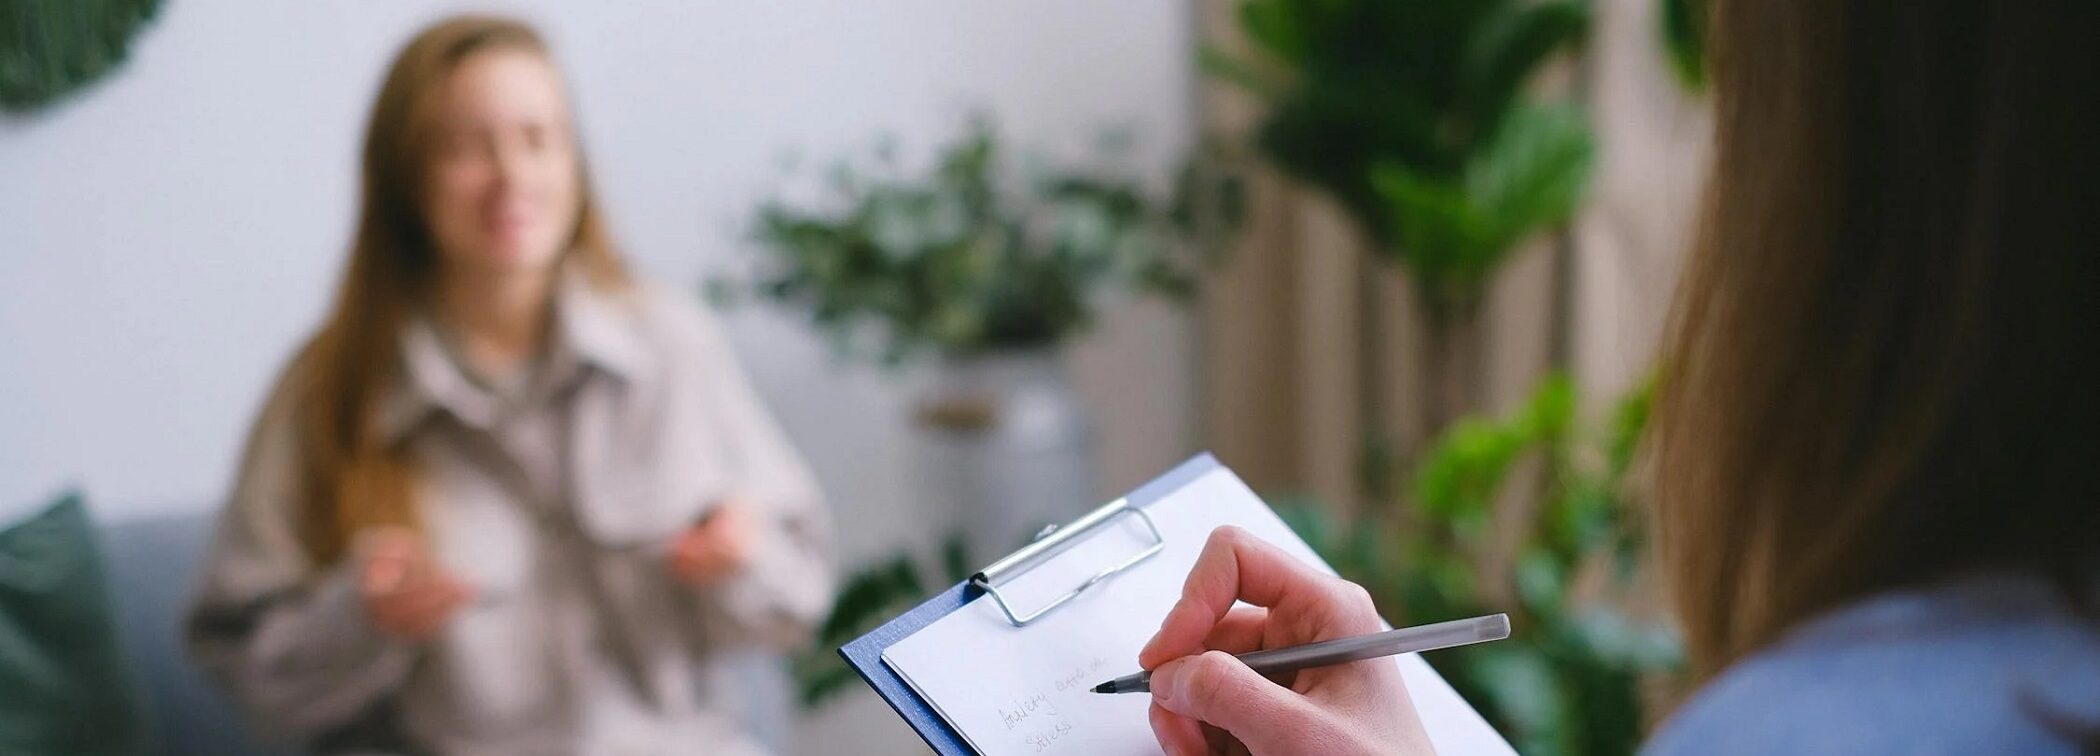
{"points": [[1204, 701], [715, 548], [406, 593]]}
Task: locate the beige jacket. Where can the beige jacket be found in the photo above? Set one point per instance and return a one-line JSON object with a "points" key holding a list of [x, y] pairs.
{"points": [[557, 502]]}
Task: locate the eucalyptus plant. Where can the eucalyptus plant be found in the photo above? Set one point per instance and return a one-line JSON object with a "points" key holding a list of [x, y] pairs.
{"points": [[967, 258]]}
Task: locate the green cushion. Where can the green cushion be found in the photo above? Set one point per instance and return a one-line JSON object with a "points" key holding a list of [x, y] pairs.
{"points": [[64, 687]]}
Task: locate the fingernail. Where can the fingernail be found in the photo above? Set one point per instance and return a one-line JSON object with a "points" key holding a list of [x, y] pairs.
{"points": [[1166, 684]]}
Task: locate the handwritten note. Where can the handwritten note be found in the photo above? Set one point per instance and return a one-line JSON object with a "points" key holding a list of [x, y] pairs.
{"points": [[1011, 690], [1039, 721]]}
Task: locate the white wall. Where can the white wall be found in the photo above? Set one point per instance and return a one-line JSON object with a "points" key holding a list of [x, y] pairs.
{"points": [[169, 235]]}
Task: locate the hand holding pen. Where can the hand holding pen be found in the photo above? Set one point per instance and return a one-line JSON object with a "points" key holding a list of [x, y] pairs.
{"points": [[1206, 701]]}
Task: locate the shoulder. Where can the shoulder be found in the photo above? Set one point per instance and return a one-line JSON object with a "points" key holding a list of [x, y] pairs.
{"points": [[660, 335], [1974, 665], [289, 388]]}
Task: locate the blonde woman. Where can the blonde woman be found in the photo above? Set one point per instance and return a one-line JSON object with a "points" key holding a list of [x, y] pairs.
{"points": [[506, 500]]}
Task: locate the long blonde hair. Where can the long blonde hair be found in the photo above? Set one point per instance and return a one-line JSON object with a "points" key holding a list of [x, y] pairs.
{"points": [[353, 478]]}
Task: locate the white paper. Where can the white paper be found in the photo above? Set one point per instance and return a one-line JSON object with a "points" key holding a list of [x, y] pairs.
{"points": [[1027, 690]]}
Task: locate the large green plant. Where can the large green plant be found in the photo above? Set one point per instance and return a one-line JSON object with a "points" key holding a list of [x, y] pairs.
{"points": [[1415, 116], [965, 259], [1568, 679]]}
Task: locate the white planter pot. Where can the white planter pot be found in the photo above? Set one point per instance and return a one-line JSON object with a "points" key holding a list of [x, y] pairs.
{"points": [[1005, 449]]}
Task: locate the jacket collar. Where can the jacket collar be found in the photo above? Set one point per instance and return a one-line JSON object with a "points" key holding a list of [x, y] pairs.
{"points": [[594, 330]]}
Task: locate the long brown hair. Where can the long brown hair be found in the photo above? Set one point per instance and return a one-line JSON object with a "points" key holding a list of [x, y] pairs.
{"points": [[354, 479], [1884, 362]]}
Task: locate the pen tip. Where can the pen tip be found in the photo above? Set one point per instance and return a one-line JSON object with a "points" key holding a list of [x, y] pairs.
{"points": [[1107, 687]]}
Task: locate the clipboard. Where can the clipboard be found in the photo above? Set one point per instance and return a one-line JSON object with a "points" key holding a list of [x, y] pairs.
{"points": [[865, 654]]}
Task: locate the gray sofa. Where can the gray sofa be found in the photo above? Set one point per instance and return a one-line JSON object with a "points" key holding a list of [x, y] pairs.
{"points": [[152, 564]]}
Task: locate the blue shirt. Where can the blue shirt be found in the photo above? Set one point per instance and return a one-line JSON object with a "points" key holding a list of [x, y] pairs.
{"points": [[1988, 664]]}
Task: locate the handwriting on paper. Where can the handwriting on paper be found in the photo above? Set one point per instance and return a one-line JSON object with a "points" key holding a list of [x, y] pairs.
{"points": [[1037, 718], [1043, 740], [1022, 711], [1082, 676]]}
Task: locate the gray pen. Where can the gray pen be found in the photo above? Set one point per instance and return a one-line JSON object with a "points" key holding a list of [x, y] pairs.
{"points": [[1406, 640]]}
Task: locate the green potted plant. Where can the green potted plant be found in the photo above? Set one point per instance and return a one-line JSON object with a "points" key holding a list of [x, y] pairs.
{"points": [[966, 259], [1570, 678], [1416, 118], [986, 271]]}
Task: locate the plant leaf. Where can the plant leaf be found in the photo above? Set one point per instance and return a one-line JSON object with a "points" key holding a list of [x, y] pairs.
{"points": [[1278, 26], [1531, 177], [1511, 46], [1683, 26], [1437, 226]]}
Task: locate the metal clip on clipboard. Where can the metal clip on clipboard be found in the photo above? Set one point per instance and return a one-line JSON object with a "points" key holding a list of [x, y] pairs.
{"points": [[1056, 540]]}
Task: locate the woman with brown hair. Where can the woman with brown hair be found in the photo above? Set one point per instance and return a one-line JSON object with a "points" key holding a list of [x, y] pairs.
{"points": [[506, 500], [1877, 442]]}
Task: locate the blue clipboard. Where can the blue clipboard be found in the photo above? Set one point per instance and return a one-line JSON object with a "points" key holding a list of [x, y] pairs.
{"points": [[864, 654]]}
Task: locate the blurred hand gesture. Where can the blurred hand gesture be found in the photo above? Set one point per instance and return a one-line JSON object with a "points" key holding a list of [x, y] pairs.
{"points": [[715, 548], [1204, 701], [406, 593]]}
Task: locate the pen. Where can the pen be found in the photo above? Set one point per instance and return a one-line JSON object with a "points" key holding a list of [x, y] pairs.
{"points": [[1406, 640]]}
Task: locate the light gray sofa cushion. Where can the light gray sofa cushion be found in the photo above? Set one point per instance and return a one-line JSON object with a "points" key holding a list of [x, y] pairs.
{"points": [[152, 564]]}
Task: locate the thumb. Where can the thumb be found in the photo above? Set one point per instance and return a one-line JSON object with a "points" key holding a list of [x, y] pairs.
{"points": [[1221, 691]]}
